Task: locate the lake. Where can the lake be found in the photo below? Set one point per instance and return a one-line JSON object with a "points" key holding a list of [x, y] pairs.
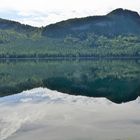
{"points": [[70, 99]]}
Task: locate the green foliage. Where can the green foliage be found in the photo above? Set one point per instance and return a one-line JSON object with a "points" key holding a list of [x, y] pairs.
{"points": [[114, 35], [17, 45]]}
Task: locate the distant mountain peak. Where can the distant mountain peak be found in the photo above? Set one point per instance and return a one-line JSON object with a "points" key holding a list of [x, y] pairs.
{"points": [[124, 12]]}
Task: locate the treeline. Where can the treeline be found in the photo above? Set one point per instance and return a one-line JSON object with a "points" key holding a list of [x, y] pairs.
{"points": [[18, 45]]}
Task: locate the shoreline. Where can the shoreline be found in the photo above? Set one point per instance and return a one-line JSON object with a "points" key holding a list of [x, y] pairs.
{"points": [[73, 58]]}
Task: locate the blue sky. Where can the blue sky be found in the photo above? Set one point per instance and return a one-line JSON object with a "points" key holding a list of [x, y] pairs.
{"points": [[44, 12]]}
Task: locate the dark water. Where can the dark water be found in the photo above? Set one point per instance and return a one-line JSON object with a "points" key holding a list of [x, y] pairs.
{"points": [[117, 80]]}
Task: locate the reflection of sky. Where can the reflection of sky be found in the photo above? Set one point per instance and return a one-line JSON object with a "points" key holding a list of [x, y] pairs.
{"points": [[41, 113]]}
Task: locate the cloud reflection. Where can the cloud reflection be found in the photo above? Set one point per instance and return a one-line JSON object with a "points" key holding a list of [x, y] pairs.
{"points": [[40, 113]]}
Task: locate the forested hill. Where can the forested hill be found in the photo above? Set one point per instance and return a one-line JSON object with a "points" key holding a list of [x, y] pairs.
{"points": [[117, 22], [115, 34], [16, 26]]}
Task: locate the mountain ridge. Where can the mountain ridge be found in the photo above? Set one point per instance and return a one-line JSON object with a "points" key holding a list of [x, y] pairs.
{"points": [[121, 11], [117, 11], [114, 34], [99, 22]]}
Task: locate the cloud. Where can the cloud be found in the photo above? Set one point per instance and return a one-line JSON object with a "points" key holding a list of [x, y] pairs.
{"points": [[38, 18], [44, 12]]}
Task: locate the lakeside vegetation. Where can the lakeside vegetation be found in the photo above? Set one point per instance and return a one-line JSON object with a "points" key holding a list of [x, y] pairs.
{"points": [[17, 45]]}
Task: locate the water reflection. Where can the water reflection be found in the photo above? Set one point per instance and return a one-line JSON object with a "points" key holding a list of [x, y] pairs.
{"points": [[117, 80], [41, 114]]}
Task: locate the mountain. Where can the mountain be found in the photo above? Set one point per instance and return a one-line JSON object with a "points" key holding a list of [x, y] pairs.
{"points": [[117, 22], [114, 34], [7, 24]]}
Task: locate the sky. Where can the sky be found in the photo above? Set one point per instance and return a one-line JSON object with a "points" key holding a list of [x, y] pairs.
{"points": [[44, 12]]}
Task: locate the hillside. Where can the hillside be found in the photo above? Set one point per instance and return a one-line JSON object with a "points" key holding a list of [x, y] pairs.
{"points": [[115, 34], [117, 22]]}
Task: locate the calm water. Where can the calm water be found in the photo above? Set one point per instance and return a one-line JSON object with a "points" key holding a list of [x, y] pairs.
{"points": [[34, 106], [117, 80]]}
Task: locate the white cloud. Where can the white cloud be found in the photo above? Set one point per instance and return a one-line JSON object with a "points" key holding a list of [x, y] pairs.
{"points": [[44, 12]]}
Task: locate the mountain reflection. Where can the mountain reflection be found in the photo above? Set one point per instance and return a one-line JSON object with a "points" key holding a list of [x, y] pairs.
{"points": [[117, 80]]}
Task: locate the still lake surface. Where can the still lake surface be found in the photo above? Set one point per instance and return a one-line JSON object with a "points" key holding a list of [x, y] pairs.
{"points": [[76, 99]]}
